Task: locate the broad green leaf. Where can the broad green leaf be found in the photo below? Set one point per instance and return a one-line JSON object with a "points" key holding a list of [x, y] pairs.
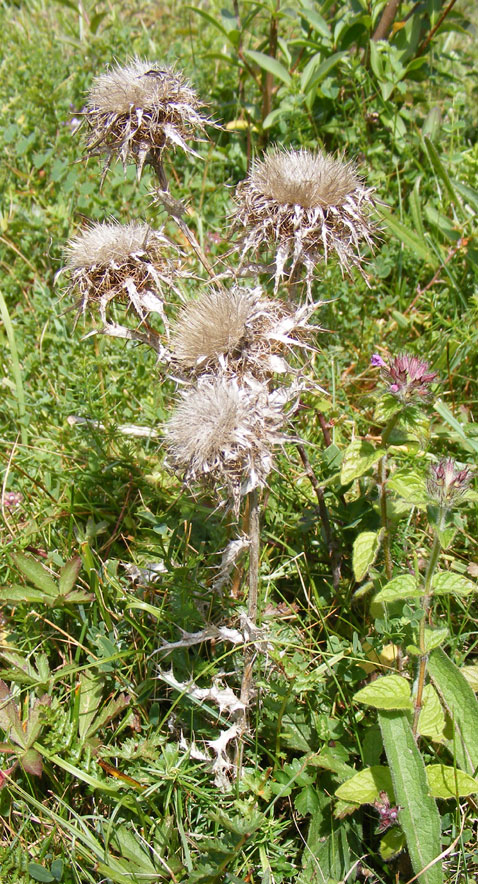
{"points": [[312, 76], [431, 722], [10, 720], [318, 23], [359, 457], [468, 193], [365, 786], [56, 869], [462, 706], [132, 848], [36, 574], [418, 816], [35, 870], [409, 238], [410, 486], [267, 63], [449, 582], [91, 690], [365, 551], [69, 575], [76, 596], [471, 675], [405, 586], [392, 843], [386, 692], [306, 801], [435, 636], [449, 782]]}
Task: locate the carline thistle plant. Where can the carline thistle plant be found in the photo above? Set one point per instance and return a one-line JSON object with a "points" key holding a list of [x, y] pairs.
{"points": [[301, 207]]}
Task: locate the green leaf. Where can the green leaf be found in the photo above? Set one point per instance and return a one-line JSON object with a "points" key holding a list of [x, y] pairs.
{"points": [[449, 582], [69, 575], [56, 869], [16, 594], [410, 486], [431, 722], [392, 843], [365, 551], [418, 816], [76, 596], [450, 419], [449, 782], [411, 240], [471, 675], [462, 706], [441, 171], [365, 786], [405, 586], [307, 802], [434, 637], [91, 690], [269, 64], [10, 720], [39, 873], [387, 692], [36, 574], [359, 457], [313, 74], [211, 19], [318, 23], [31, 761]]}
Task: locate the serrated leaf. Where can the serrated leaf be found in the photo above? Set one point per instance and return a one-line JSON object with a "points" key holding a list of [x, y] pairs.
{"points": [[110, 711], [450, 782], [405, 586], [359, 457], [418, 815], [365, 786], [272, 65], [91, 690], [449, 582], [392, 843], [410, 486], [434, 637], [365, 551], [10, 720], [18, 594], [69, 575], [307, 801], [386, 692], [462, 706], [431, 722], [36, 574], [31, 761]]}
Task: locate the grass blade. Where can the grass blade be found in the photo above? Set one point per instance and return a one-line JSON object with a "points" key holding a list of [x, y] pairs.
{"points": [[16, 370], [419, 816]]}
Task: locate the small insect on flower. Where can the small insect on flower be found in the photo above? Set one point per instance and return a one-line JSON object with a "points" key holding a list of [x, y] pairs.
{"points": [[238, 332], [127, 263], [409, 378], [137, 110], [447, 482], [222, 433], [303, 206]]}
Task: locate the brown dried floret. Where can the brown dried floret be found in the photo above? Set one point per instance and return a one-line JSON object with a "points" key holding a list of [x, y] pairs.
{"points": [[222, 433], [238, 332], [126, 263], [303, 206], [137, 110]]}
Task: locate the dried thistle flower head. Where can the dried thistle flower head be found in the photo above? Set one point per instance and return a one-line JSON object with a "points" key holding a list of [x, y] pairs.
{"points": [[128, 263], [447, 482], [409, 378], [303, 206], [139, 109], [238, 332], [223, 433]]}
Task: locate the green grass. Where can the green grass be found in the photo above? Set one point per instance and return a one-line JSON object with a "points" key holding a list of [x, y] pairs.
{"points": [[126, 792]]}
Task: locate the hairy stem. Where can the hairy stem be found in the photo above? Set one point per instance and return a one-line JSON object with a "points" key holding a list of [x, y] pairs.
{"points": [[382, 478], [425, 603]]}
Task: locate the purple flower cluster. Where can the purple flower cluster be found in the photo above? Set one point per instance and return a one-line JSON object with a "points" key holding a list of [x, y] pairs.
{"points": [[409, 378], [447, 482]]}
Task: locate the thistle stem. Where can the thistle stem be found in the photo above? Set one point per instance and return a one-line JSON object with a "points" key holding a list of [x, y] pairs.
{"points": [[382, 472], [425, 604], [252, 602]]}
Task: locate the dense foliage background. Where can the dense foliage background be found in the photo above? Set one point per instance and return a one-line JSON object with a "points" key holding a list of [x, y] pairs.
{"points": [[123, 795]]}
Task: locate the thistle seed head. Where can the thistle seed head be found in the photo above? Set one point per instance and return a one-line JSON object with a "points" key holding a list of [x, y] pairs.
{"points": [[222, 433], [409, 378], [126, 263], [238, 332], [446, 482], [303, 206], [141, 108]]}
